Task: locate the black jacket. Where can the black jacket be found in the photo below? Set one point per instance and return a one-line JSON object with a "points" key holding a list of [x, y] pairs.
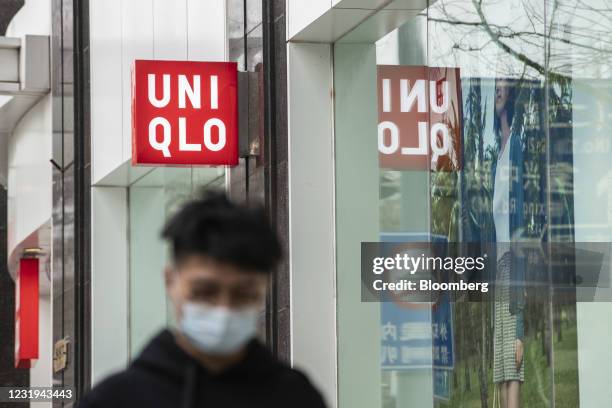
{"points": [[165, 376]]}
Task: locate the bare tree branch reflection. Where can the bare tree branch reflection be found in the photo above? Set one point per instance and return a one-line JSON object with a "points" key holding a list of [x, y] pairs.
{"points": [[552, 37]]}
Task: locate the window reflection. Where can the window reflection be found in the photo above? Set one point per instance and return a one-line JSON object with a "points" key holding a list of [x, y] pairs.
{"points": [[535, 81]]}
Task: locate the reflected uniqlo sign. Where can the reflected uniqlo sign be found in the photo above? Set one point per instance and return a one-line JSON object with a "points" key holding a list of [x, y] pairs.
{"points": [[184, 113], [419, 118]]}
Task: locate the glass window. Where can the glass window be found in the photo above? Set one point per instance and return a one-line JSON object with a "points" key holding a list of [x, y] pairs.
{"points": [[152, 199], [483, 122]]}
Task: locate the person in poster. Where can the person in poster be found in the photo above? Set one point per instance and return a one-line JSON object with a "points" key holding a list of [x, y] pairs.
{"points": [[508, 219], [505, 200]]}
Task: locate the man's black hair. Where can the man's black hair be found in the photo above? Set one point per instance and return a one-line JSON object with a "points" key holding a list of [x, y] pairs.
{"points": [[218, 228]]}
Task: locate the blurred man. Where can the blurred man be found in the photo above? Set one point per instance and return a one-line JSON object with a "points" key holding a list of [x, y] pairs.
{"points": [[222, 255]]}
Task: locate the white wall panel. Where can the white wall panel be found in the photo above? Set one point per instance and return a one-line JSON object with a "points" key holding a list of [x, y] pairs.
{"points": [[591, 204], [124, 30], [106, 87], [33, 18], [28, 148], [311, 215], [109, 281], [137, 43], [170, 29], [301, 13], [147, 257], [357, 220], [206, 30], [29, 173]]}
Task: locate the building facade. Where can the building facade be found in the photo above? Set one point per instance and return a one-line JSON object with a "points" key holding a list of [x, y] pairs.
{"points": [[370, 184], [93, 218], [331, 151]]}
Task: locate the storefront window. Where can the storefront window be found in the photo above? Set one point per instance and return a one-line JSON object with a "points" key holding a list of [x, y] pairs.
{"points": [[432, 120], [152, 199]]}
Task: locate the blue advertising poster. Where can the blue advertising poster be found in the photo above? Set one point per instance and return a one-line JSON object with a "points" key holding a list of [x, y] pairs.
{"points": [[442, 333], [443, 350], [406, 341], [442, 383], [418, 335]]}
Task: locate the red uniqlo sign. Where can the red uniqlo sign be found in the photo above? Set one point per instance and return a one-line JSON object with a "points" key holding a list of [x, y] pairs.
{"points": [[184, 113], [419, 118], [26, 313]]}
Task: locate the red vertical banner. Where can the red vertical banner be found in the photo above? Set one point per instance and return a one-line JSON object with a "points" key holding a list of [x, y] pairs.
{"points": [[419, 118], [26, 313]]}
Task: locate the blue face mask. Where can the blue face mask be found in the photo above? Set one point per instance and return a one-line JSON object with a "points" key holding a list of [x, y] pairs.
{"points": [[216, 329]]}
